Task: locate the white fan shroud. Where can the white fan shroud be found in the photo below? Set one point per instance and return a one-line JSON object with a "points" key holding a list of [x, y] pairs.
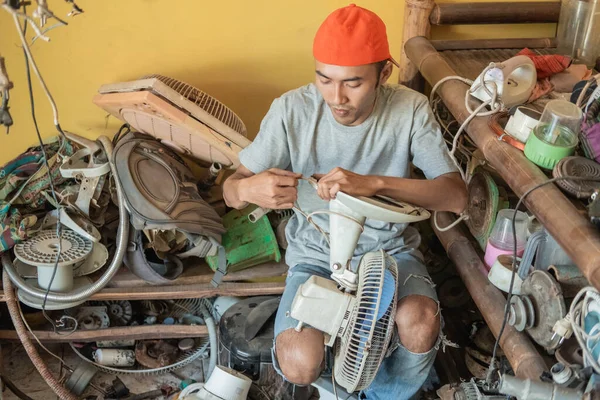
{"points": [[181, 116], [356, 365]]}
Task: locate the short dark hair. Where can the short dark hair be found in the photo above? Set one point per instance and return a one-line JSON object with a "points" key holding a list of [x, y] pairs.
{"points": [[379, 66]]}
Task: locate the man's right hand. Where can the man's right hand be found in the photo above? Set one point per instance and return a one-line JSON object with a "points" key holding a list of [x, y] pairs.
{"points": [[274, 188]]}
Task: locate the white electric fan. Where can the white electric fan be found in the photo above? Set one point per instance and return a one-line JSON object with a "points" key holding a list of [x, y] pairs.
{"points": [[356, 309]]}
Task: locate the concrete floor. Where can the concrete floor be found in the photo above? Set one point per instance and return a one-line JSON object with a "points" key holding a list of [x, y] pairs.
{"points": [[18, 367]]}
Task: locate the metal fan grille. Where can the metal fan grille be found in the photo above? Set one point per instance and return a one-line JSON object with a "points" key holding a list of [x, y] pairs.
{"points": [[205, 101], [175, 308], [580, 167], [42, 249], [365, 341], [184, 359]]}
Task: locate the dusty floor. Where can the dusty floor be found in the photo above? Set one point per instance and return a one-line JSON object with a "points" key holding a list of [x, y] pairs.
{"points": [[18, 367]]}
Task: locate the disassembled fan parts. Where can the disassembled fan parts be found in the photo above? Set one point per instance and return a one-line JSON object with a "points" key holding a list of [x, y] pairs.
{"points": [[179, 115], [42, 251], [581, 167], [119, 311], [92, 317], [537, 309]]}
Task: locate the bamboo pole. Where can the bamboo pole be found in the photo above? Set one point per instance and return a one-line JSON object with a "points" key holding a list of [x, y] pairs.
{"points": [[416, 23]]}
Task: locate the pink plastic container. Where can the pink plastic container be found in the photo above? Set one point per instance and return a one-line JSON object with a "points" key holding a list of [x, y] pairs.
{"points": [[492, 253]]}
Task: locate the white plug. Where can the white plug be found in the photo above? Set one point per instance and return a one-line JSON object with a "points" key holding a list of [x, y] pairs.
{"points": [[563, 329]]}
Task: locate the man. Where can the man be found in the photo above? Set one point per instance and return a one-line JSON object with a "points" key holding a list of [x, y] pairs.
{"points": [[357, 135]]}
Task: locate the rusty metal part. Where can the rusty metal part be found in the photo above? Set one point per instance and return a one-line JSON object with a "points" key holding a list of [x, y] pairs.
{"points": [[155, 353], [577, 236], [570, 353], [520, 352], [580, 167], [92, 317], [119, 311], [570, 278], [477, 362], [478, 353]]}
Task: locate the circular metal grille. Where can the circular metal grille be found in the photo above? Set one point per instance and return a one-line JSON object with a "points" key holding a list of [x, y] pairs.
{"points": [[42, 250], [213, 107], [577, 166], [185, 358], [363, 345]]}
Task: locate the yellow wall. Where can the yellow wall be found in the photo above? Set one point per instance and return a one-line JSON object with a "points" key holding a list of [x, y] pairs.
{"points": [[245, 53]]}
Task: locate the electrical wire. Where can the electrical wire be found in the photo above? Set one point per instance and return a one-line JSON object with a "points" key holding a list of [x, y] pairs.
{"points": [[28, 60], [36, 338], [495, 104], [333, 381], [514, 262], [577, 315], [31, 61]]}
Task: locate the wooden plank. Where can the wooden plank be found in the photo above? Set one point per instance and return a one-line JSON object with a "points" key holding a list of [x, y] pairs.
{"points": [[193, 283], [495, 13], [189, 291], [199, 272], [517, 43], [142, 332]]}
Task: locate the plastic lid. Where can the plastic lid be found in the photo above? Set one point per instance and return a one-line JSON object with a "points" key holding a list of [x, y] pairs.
{"points": [[560, 123]]}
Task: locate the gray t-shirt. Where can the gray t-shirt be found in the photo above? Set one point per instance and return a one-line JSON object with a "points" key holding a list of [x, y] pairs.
{"points": [[300, 134]]}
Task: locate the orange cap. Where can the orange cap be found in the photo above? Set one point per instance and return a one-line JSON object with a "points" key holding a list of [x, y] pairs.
{"points": [[352, 36]]}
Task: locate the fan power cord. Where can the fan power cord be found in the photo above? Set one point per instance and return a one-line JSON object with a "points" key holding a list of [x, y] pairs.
{"points": [[495, 104], [492, 367]]}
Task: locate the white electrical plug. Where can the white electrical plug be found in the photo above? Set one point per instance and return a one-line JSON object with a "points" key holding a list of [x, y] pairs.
{"points": [[563, 329]]}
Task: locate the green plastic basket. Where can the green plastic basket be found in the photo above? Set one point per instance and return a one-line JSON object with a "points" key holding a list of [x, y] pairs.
{"points": [[247, 244]]}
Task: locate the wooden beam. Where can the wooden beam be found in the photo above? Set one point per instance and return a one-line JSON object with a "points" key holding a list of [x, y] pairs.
{"points": [[142, 332], [193, 283], [495, 13], [199, 272], [189, 291], [534, 43], [416, 23]]}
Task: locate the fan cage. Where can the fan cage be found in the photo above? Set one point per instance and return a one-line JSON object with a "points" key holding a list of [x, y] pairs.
{"points": [[185, 358], [362, 348], [205, 101]]}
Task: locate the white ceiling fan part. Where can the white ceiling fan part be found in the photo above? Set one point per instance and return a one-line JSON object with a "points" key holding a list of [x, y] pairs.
{"points": [[200, 105], [383, 208], [34, 302], [79, 225], [151, 114], [96, 260], [59, 281], [42, 249]]}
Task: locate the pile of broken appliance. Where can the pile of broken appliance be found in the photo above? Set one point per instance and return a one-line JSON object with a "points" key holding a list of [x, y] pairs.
{"points": [[133, 200]]}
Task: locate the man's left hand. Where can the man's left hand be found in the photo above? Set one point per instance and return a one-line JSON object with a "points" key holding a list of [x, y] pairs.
{"points": [[339, 179]]}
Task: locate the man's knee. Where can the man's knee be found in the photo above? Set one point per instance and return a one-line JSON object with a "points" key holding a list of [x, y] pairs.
{"points": [[418, 322], [300, 355]]}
